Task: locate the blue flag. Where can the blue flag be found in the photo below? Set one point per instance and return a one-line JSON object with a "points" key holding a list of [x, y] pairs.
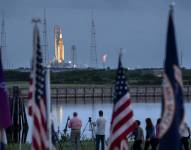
{"points": [[172, 106], [5, 115]]}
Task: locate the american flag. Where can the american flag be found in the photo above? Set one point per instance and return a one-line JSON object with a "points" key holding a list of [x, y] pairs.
{"points": [[39, 111], [122, 122]]}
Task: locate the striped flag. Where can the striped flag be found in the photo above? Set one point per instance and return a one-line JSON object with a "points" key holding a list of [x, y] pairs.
{"points": [[172, 108], [39, 110], [122, 122]]}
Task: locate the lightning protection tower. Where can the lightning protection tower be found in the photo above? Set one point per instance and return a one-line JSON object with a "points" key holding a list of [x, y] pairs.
{"points": [[93, 51], [45, 41], [3, 43], [74, 56]]}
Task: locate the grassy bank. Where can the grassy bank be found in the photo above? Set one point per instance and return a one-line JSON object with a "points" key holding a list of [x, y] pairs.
{"points": [[85, 145], [88, 145], [89, 77], [95, 77]]}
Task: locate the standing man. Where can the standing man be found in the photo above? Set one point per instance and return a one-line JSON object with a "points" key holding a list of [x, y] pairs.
{"points": [[138, 137], [100, 131], [75, 124]]}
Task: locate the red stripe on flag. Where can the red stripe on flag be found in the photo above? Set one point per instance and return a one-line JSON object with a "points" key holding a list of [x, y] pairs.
{"points": [[43, 112], [35, 143], [120, 109], [37, 123], [43, 146], [118, 140], [122, 121]]}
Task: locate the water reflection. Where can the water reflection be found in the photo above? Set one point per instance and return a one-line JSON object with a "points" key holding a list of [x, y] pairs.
{"points": [[141, 111]]}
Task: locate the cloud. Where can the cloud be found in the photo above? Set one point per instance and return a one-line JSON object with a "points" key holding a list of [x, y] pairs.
{"points": [[81, 4], [119, 23]]}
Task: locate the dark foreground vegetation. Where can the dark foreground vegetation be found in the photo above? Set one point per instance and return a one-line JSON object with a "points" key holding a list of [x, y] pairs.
{"points": [[85, 145], [134, 77]]}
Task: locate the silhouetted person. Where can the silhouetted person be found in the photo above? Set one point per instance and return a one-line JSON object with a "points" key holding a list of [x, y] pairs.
{"points": [[138, 136], [158, 130], [185, 135], [100, 131], [150, 135], [75, 124]]}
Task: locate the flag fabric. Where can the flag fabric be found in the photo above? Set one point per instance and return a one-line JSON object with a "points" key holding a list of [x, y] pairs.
{"points": [[39, 110], [3, 139], [122, 122], [5, 114], [172, 106]]}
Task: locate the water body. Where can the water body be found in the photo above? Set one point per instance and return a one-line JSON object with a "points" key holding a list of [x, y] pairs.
{"points": [[141, 111]]}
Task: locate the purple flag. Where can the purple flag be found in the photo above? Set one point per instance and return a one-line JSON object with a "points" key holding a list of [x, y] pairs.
{"points": [[5, 115]]}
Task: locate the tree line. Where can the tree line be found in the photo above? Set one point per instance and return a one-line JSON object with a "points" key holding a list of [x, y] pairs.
{"points": [[101, 76]]}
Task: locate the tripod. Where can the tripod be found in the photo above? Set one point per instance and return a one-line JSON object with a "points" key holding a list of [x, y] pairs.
{"points": [[65, 136], [55, 138], [66, 127], [60, 137], [91, 126]]}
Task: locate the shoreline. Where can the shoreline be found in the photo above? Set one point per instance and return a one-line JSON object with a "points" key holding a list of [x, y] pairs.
{"points": [[93, 94]]}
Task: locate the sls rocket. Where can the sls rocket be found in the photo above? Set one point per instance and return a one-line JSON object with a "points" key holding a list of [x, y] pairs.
{"points": [[59, 45]]}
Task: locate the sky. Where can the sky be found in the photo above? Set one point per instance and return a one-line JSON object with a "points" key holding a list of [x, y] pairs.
{"points": [[137, 26]]}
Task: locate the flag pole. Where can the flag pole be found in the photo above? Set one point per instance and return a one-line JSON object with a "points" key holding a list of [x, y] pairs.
{"points": [[121, 53], [35, 21], [48, 105]]}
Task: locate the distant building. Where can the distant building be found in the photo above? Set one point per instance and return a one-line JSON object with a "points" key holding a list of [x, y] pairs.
{"points": [[158, 72]]}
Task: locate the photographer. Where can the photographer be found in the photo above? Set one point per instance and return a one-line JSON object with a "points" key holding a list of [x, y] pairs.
{"points": [[100, 131], [75, 124]]}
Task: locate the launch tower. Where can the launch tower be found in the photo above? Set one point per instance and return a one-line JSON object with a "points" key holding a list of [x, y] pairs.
{"points": [[3, 44], [93, 51]]}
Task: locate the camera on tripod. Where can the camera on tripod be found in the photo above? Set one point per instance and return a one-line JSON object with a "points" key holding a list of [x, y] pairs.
{"points": [[89, 124], [90, 120]]}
